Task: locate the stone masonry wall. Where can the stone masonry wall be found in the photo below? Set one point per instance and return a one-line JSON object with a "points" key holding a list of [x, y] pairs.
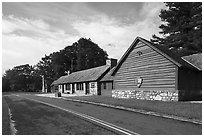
{"points": [[146, 95]]}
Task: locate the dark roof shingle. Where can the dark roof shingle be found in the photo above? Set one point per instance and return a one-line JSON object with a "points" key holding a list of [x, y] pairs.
{"points": [[83, 76], [108, 76], [160, 49], [194, 59]]}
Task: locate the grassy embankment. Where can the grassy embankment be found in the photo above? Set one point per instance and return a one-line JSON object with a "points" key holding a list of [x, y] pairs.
{"points": [[182, 109], [5, 118]]}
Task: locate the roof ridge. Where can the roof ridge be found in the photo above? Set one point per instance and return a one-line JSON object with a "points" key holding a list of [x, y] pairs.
{"points": [[174, 58], [190, 63], [194, 59], [91, 74], [90, 69]]}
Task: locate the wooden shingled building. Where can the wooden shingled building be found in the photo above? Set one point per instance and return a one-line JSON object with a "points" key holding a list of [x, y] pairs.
{"points": [[151, 72], [85, 81], [145, 71]]}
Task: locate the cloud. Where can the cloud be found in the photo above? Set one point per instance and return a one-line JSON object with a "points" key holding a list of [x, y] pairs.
{"points": [[11, 23], [24, 26], [59, 15], [105, 30], [20, 48], [31, 30]]}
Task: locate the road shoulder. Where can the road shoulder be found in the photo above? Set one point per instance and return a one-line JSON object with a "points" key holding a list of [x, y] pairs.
{"points": [[195, 121], [5, 118]]}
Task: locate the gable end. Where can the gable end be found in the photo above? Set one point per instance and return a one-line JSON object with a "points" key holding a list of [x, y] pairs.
{"points": [[131, 48]]}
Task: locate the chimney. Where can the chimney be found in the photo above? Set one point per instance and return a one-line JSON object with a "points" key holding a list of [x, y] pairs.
{"points": [[111, 62], [68, 72]]}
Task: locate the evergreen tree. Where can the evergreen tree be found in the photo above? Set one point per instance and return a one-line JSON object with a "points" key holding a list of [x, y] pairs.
{"points": [[181, 28]]}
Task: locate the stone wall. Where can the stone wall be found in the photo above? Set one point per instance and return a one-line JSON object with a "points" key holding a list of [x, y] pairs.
{"points": [[146, 95]]}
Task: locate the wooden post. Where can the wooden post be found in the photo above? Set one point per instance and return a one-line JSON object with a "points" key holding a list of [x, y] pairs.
{"points": [[43, 84]]}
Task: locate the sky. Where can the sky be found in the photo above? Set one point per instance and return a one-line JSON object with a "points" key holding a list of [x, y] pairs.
{"points": [[34, 29]]}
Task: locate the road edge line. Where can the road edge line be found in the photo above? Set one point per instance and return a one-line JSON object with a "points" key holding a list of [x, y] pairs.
{"points": [[96, 120], [137, 111]]}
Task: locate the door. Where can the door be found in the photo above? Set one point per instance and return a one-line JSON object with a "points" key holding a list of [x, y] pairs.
{"points": [[62, 88], [73, 90], [87, 88], [99, 88]]}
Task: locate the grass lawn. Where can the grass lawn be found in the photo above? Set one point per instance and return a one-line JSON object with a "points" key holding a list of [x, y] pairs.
{"points": [[182, 109], [5, 118], [32, 118]]}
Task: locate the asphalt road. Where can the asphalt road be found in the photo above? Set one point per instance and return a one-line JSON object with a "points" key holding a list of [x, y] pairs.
{"points": [[139, 123], [33, 118]]}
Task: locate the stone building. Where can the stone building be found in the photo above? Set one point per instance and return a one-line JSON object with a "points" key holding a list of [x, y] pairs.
{"points": [[146, 71]]}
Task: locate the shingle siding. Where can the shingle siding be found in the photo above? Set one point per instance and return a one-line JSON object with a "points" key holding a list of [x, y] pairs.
{"points": [[155, 70]]}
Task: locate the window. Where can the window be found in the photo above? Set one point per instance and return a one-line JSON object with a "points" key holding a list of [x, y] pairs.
{"points": [[60, 86], [104, 85], [67, 87], [139, 53], [80, 86], [92, 85], [56, 87]]}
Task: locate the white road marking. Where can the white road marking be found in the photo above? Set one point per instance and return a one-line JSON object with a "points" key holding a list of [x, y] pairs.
{"points": [[12, 123], [6, 95], [112, 126]]}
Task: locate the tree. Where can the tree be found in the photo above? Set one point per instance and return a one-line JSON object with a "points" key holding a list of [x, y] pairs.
{"points": [[19, 78], [181, 28], [61, 63], [89, 54], [83, 54], [44, 69], [5, 84]]}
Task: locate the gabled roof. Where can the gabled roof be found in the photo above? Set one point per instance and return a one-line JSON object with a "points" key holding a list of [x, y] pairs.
{"points": [[160, 49], [195, 60], [92, 74], [108, 76]]}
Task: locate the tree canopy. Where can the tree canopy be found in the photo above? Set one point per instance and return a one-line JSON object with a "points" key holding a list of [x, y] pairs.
{"points": [[181, 28], [21, 78], [83, 54]]}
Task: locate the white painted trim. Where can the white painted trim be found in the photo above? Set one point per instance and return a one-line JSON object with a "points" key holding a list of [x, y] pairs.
{"points": [[191, 63], [66, 91]]}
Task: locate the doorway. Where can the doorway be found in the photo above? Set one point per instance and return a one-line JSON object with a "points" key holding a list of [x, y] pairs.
{"points": [[87, 88], [62, 88], [73, 90]]}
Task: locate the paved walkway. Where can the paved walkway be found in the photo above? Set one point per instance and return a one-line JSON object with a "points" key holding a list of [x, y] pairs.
{"points": [[52, 95]]}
